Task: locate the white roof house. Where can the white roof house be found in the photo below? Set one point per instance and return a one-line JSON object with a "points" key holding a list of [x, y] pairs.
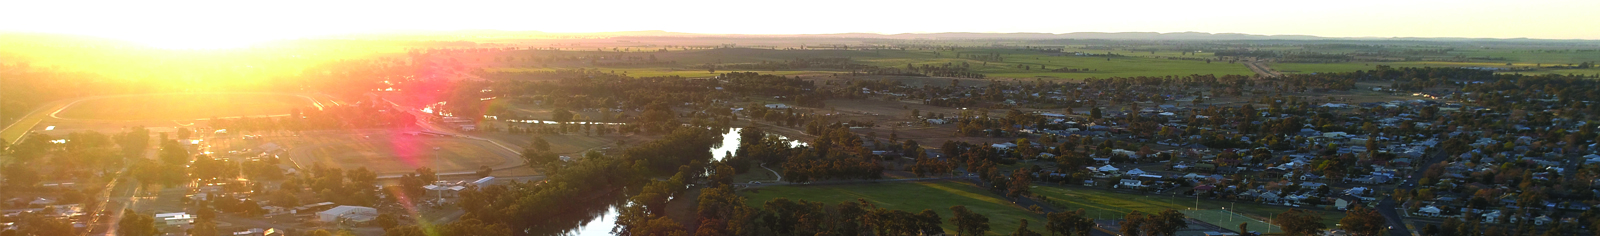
{"points": [[351, 213], [171, 219], [1136, 171], [1107, 168]]}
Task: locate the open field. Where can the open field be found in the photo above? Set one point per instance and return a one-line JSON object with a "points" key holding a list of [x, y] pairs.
{"points": [[1017, 63], [667, 71], [399, 153], [1231, 220], [1354, 66], [1104, 204], [912, 197], [182, 106]]}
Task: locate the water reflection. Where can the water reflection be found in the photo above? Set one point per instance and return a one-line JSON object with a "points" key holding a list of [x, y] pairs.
{"points": [[730, 143], [595, 219], [598, 218]]}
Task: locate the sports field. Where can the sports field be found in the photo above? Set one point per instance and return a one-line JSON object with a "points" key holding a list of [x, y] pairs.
{"points": [[1106, 204], [912, 197], [1231, 220], [183, 106], [400, 154]]}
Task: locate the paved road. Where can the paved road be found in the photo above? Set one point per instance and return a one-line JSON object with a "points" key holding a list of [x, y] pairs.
{"points": [[1390, 209], [17, 130]]}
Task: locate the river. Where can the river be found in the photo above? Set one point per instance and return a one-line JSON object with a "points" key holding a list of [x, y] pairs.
{"points": [[599, 223]]}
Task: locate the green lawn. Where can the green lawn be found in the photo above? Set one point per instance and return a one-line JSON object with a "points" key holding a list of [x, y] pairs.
{"points": [[913, 197], [1101, 203]]}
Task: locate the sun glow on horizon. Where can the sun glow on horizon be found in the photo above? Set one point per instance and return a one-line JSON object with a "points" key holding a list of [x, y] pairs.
{"points": [[192, 24], [193, 41]]}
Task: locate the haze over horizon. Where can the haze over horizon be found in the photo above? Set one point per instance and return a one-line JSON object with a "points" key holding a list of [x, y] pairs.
{"points": [[188, 22]]}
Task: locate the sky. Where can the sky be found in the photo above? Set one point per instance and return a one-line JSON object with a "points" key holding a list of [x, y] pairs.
{"points": [[188, 22]]}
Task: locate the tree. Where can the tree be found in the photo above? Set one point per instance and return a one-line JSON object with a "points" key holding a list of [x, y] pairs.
{"points": [[427, 175], [1362, 221], [1094, 113], [1022, 229], [1300, 222], [1168, 222], [386, 221], [173, 153], [561, 115], [1066, 222], [539, 144], [1131, 223], [968, 222], [928, 222], [204, 227], [40, 224], [135, 224], [1020, 181], [1244, 228]]}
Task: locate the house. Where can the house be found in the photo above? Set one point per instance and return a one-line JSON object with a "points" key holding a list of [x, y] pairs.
{"points": [[1131, 183], [350, 213], [174, 219], [1429, 211], [260, 232], [1343, 202], [444, 190], [777, 106], [1136, 171]]}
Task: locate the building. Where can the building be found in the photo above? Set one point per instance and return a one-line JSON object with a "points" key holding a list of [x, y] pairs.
{"points": [[259, 232], [350, 213], [174, 219]]}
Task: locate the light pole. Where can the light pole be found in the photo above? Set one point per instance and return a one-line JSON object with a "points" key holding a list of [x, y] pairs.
{"points": [[1230, 212]]}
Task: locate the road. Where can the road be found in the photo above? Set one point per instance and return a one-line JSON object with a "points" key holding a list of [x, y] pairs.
{"points": [[1389, 208], [1260, 68], [14, 132]]}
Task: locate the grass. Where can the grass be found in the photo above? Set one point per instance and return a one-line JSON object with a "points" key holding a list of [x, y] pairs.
{"points": [[1106, 204], [183, 106], [1133, 64], [913, 197], [15, 131], [1354, 66], [399, 154]]}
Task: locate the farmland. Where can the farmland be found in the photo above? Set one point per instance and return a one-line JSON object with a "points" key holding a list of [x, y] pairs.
{"points": [[183, 106]]}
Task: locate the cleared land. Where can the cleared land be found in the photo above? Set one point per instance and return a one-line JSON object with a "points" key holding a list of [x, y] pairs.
{"points": [[396, 154], [912, 197], [182, 106]]}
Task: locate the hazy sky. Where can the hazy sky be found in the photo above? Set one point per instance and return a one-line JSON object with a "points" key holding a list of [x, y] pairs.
{"points": [[211, 21]]}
